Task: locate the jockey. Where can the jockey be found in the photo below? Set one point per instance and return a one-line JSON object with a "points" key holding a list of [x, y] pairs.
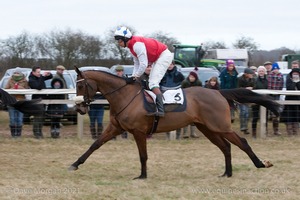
{"points": [[144, 51]]}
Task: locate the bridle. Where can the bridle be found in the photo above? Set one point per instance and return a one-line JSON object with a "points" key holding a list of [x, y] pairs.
{"points": [[87, 100], [86, 97]]}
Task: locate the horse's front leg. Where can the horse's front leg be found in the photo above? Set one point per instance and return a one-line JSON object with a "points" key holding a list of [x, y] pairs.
{"points": [[140, 139], [107, 135]]}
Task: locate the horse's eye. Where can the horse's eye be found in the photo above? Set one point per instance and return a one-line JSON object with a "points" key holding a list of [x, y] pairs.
{"points": [[80, 86]]}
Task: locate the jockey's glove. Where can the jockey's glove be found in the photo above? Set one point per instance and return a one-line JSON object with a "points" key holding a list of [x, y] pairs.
{"points": [[130, 80]]}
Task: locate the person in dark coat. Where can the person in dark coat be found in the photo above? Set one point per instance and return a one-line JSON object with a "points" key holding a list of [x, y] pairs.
{"points": [[171, 81], [37, 81], [191, 81], [56, 111], [245, 81], [291, 113], [228, 80], [261, 82]]}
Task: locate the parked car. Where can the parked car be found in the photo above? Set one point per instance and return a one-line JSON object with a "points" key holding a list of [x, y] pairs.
{"points": [[204, 74], [71, 114], [128, 69]]}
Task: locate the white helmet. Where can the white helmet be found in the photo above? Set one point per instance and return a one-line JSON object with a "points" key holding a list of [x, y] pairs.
{"points": [[123, 33]]}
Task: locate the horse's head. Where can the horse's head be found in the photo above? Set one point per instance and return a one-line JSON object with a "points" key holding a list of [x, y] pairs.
{"points": [[85, 91]]}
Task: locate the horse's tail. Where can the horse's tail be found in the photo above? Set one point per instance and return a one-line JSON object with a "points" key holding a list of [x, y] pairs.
{"points": [[31, 107], [243, 95]]}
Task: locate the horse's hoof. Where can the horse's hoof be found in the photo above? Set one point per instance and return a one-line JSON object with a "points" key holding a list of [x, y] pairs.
{"points": [[267, 163], [140, 177], [225, 175], [72, 168]]}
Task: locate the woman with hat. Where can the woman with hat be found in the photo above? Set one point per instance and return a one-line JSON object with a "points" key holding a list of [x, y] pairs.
{"points": [[291, 113], [17, 81], [191, 81], [228, 80]]}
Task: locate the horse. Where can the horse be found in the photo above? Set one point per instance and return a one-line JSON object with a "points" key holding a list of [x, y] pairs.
{"points": [[208, 109]]}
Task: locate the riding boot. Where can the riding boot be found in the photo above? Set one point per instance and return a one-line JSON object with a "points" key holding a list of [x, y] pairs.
{"points": [[295, 127], [99, 130], [37, 127], [185, 134], [254, 132], [193, 134], [159, 106], [18, 131], [289, 128], [13, 131], [276, 126], [93, 132], [178, 134]]}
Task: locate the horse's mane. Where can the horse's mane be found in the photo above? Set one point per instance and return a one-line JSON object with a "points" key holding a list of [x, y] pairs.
{"points": [[105, 72]]}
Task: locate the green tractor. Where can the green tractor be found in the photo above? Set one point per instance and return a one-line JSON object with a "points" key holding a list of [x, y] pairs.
{"points": [[193, 56]]}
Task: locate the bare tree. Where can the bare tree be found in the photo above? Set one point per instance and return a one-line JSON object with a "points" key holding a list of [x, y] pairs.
{"points": [[20, 49], [69, 47], [164, 38], [214, 45], [244, 42]]}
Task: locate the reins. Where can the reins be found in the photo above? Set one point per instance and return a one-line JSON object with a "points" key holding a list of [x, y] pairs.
{"points": [[87, 99]]}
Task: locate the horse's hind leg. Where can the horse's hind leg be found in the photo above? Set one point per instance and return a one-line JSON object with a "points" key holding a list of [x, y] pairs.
{"points": [[222, 144], [243, 145]]}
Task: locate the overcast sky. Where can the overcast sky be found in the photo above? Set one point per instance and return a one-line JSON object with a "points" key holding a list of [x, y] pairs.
{"points": [[272, 24]]}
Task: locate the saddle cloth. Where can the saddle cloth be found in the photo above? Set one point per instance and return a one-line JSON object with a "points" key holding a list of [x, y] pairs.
{"points": [[174, 101], [170, 96]]}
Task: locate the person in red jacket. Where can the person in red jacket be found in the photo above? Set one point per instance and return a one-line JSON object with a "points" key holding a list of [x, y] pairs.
{"points": [[144, 51]]}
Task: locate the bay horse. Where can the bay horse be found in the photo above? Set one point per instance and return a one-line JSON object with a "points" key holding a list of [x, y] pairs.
{"points": [[208, 109]]}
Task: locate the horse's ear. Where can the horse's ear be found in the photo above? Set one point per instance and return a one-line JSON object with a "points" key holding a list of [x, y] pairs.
{"points": [[78, 71]]}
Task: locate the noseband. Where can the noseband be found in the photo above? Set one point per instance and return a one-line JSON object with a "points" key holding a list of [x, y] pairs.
{"points": [[86, 97]]}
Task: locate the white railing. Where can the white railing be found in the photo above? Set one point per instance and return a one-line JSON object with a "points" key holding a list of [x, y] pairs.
{"points": [[103, 101]]}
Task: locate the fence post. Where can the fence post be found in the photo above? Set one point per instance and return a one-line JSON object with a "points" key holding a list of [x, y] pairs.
{"points": [[79, 125], [263, 122]]}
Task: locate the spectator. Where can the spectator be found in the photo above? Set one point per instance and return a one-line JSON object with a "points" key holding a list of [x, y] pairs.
{"points": [[268, 66], [295, 64], [289, 79], [37, 81], [96, 113], [145, 51], [245, 81], [275, 82], [171, 81], [16, 81], [291, 113], [254, 69], [213, 83], [228, 79], [120, 72], [191, 81], [56, 111], [260, 83]]}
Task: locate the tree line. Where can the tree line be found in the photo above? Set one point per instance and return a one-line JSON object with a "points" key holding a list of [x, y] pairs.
{"points": [[69, 48]]}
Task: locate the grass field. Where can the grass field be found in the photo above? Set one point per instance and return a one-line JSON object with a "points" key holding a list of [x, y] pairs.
{"points": [[185, 169]]}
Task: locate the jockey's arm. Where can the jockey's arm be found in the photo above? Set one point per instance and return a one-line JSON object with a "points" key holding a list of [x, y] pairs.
{"points": [[141, 62]]}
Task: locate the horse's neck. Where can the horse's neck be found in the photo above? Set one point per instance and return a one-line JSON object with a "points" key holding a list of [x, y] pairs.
{"points": [[115, 89]]}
